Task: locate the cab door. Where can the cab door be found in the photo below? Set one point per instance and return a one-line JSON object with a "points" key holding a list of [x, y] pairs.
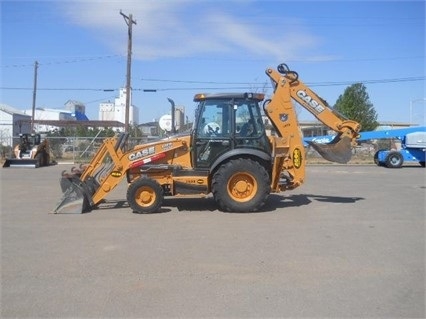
{"points": [[213, 134]]}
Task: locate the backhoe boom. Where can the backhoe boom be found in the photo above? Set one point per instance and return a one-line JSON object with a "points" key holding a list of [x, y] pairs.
{"points": [[288, 87]]}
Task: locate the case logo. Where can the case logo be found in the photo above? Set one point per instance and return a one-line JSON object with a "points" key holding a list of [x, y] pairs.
{"points": [[311, 102], [139, 154]]}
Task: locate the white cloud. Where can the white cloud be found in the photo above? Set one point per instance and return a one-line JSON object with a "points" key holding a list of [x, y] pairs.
{"points": [[189, 28]]}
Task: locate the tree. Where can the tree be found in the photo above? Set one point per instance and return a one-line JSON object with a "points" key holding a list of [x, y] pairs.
{"points": [[355, 105]]}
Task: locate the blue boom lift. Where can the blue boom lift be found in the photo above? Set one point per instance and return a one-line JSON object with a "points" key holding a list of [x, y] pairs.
{"points": [[413, 145]]}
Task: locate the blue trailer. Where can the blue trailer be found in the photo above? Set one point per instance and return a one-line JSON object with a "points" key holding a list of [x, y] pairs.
{"points": [[413, 145]]}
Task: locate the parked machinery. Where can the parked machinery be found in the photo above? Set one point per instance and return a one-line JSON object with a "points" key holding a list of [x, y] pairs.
{"points": [[30, 152], [413, 145]]}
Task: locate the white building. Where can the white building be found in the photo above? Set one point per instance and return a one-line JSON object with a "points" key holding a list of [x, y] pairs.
{"points": [[41, 113], [12, 122], [109, 111]]}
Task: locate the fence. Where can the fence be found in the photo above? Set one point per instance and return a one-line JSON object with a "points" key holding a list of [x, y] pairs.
{"points": [[82, 149], [70, 149]]}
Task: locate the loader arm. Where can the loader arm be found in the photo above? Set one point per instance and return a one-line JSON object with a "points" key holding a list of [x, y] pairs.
{"points": [[107, 169]]}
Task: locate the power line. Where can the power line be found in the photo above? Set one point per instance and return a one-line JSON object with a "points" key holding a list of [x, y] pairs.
{"points": [[336, 83], [193, 82], [408, 79], [71, 60], [233, 85], [57, 89], [68, 61]]}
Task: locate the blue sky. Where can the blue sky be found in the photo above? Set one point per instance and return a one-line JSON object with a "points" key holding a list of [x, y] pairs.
{"points": [[182, 47]]}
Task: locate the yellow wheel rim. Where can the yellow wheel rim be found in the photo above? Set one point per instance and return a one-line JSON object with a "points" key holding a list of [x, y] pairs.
{"points": [[145, 196], [242, 187]]}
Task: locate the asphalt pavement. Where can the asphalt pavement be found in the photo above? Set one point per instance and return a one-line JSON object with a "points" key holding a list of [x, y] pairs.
{"points": [[350, 242]]}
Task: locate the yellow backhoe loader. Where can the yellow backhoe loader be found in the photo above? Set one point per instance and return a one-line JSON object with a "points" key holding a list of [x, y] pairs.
{"points": [[227, 153]]}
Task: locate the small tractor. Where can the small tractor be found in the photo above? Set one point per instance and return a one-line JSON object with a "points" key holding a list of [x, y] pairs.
{"points": [[30, 152]]}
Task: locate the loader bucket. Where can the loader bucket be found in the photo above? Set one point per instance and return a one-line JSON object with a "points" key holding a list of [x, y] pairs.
{"points": [[13, 162], [75, 198], [338, 150]]}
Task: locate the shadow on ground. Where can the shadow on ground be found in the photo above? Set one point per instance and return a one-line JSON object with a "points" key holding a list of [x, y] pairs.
{"points": [[273, 203]]}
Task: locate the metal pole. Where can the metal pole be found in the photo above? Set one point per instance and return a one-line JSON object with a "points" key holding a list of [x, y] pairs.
{"points": [[34, 96], [129, 21]]}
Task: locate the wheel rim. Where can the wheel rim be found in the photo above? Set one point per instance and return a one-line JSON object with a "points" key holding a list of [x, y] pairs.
{"points": [[395, 160], [145, 196], [242, 187]]}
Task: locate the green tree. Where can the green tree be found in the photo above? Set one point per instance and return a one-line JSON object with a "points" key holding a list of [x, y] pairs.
{"points": [[355, 105]]}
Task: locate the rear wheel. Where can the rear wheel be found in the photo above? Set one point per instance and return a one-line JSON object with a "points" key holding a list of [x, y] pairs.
{"points": [[422, 164], [241, 185], [145, 196], [394, 160]]}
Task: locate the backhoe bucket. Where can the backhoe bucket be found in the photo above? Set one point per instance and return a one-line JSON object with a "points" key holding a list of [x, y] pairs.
{"points": [[339, 150], [75, 197]]}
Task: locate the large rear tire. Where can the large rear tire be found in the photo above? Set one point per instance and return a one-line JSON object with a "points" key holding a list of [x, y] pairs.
{"points": [[241, 185], [394, 160], [145, 196]]}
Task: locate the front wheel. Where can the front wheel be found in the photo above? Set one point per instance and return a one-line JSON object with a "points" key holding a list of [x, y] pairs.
{"points": [[241, 185], [145, 196], [394, 160]]}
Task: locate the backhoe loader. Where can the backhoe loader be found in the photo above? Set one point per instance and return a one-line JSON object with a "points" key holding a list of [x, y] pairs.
{"points": [[227, 153]]}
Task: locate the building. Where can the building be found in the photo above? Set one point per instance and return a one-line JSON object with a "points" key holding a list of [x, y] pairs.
{"points": [[78, 109], [116, 111], [12, 123], [179, 118], [46, 114]]}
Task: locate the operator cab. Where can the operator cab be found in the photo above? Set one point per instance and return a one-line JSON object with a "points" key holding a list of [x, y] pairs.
{"points": [[226, 122], [26, 144]]}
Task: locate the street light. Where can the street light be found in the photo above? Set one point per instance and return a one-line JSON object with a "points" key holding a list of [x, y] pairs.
{"points": [[411, 107]]}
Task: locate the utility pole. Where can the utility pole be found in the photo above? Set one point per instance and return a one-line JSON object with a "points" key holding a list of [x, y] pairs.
{"points": [[34, 96], [129, 21]]}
